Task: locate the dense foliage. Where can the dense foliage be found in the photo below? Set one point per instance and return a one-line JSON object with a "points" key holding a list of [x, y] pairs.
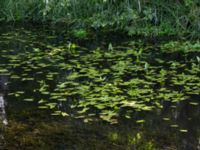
{"points": [[141, 17]]}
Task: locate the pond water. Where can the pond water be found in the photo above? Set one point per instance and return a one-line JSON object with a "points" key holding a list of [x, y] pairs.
{"points": [[95, 94]]}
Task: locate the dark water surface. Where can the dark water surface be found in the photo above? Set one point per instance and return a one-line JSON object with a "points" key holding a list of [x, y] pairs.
{"points": [[31, 126]]}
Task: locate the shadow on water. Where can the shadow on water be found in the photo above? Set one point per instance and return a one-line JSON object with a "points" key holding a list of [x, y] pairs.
{"points": [[24, 126]]}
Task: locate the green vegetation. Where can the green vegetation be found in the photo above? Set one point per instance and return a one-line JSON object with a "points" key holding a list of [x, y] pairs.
{"points": [[101, 83], [100, 74], [135, 17]]}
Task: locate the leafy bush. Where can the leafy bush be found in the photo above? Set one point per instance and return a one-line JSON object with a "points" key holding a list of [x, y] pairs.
{"points": [[135, 17]]}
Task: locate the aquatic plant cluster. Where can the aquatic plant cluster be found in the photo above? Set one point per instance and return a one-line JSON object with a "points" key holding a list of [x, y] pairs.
{"points": [[108, 84], [132, 16]]}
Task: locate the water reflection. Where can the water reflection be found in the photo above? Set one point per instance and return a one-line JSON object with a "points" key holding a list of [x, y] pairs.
{"points": [[3, 116], [3, 87]]}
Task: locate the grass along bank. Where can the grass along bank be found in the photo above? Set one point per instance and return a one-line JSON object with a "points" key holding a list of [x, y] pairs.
{"points": [[134, 17]]}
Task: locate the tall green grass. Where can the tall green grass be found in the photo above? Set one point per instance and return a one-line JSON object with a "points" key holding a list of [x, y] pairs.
{"points": [[133, 16]]}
